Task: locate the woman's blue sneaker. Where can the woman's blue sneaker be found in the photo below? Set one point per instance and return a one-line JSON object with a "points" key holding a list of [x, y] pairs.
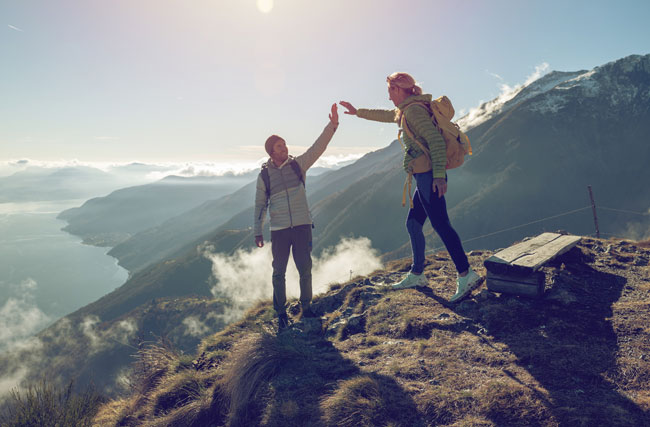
{"points": [[410, 281], [465, 285]]}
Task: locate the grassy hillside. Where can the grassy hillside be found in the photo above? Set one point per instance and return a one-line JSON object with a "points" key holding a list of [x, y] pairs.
{"points": [[577, 356]]}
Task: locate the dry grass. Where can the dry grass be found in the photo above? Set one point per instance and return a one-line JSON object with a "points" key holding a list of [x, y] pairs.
{"points": [[257, 359], [418, 361], [643, 244], [366, 401]]}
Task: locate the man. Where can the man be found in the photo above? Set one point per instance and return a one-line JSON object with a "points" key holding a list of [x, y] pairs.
{"points": [[291, 221]]}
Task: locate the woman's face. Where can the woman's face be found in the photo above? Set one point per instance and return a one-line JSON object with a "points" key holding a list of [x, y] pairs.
{"points": [[396, 94]]}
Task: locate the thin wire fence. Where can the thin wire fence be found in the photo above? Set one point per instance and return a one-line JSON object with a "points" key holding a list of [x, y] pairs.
{"points": [[430, 251]]}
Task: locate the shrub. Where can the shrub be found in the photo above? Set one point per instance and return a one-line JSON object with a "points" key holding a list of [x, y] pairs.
{"points": [[47, 405]]}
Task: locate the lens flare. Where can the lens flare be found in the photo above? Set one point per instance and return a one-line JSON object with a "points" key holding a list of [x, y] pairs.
{"points": [[265, 6]]}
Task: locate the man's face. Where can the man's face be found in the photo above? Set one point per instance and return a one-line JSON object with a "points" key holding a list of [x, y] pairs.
{"points": [[280, 151]]}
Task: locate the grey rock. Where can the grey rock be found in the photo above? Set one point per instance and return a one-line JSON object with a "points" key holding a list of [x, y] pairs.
{"points": [[309, 325], [561, 296], [467, 305], [485, 295]]}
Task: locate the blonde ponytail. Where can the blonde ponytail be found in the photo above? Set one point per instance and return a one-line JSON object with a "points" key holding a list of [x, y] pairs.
{"points": [[404, 81]]}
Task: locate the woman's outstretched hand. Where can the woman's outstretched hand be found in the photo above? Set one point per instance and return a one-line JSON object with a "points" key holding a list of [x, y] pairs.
{"points": [[349, 107], [334, 115]]}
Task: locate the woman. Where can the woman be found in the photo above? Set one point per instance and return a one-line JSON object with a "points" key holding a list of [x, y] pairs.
{"points": [[431, 181]]}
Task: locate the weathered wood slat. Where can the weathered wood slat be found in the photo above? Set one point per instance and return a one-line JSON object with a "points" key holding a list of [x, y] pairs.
{"points": [[534, 278], [529, 256], [547, 252], [515, 288], [510, 254]]}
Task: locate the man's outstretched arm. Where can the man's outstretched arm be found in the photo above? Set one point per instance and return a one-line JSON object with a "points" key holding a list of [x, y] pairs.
{"points": [[309, 157]]}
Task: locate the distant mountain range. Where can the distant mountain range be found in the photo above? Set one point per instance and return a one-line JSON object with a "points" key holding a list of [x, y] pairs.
{"points": [[109, 220], [534, 156], [47, 184]]}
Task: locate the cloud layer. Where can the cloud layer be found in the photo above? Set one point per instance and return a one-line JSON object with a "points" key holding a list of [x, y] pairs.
{"points": [[20, 317], [245, 277]]}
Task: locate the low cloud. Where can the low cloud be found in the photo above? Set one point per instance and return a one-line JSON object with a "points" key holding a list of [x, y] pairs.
{"points": [[195, 327], [16, 363], [245, 277], [638, 230], [99, 339], [487, 110], [338, 160], [15, 28], [20, 316]]}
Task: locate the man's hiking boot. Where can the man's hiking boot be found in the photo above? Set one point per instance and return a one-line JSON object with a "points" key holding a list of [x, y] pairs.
{"points": [[283, 322], [465, 285], [410, 281], [307, 312]]}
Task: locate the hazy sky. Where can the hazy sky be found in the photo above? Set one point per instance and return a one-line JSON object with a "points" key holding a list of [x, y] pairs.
{"points": [[209, 80]]}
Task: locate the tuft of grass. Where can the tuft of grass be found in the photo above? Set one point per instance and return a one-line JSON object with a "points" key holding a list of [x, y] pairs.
{"points": [[365, 401], [196, 413], [441, 405], [46, 405], [176, 391], [257, 359], [510, 403], [153, 362]]}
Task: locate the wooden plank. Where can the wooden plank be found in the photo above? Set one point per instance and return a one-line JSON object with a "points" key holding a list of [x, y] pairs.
{"points": [[547, 252], [510, 254], [515, 288], [534, 278]]}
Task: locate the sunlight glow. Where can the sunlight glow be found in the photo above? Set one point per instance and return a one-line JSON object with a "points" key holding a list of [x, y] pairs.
{"points": [[265, 6]]}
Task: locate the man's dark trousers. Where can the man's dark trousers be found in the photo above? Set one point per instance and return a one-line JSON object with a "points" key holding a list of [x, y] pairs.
{"points": [[298, 241]]}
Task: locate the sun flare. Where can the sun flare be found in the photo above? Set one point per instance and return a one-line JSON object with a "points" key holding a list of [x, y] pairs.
{"points": [[265, 6]]}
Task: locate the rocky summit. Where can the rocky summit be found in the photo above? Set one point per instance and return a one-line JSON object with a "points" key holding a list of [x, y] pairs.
{"points": [[578, 355]]}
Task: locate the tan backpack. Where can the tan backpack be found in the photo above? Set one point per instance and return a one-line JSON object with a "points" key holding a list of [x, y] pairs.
{"points": [[458, 145], [441, 112]]}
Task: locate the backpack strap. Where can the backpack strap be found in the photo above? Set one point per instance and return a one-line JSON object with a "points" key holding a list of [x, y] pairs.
{"points": [[404, 125], [264, 174], [409, 177], [266, 179], [297, 170]]}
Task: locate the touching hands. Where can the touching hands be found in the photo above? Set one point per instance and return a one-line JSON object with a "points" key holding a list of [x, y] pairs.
{"points": [[349, 107], [440, 185], [334, 115]]}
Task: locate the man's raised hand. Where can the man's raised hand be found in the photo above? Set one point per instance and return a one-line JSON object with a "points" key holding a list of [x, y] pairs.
{"points": [[334, 115]]}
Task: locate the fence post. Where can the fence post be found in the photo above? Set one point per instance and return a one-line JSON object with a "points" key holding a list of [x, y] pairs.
{"points": [[593, 208]]}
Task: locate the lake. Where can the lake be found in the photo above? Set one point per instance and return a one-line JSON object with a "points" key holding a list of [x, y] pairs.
{"points": [[46, 273]]}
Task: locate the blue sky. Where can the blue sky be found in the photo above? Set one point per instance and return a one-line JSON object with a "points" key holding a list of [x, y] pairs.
{"points": [[209, 80]]}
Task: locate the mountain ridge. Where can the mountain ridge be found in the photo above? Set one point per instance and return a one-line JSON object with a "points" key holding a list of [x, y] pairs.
{"points": [[410, 358]]}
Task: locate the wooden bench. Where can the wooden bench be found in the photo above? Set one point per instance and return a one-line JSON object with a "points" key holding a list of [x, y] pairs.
{"points": [[516, 270]]}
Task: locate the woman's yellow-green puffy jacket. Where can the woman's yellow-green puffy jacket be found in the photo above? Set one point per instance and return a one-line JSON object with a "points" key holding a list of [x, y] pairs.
{"points": [[419, 122]]}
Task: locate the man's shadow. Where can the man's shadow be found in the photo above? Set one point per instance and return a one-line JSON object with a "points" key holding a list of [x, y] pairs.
{"points": [[567, 342], [309, 383]]}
